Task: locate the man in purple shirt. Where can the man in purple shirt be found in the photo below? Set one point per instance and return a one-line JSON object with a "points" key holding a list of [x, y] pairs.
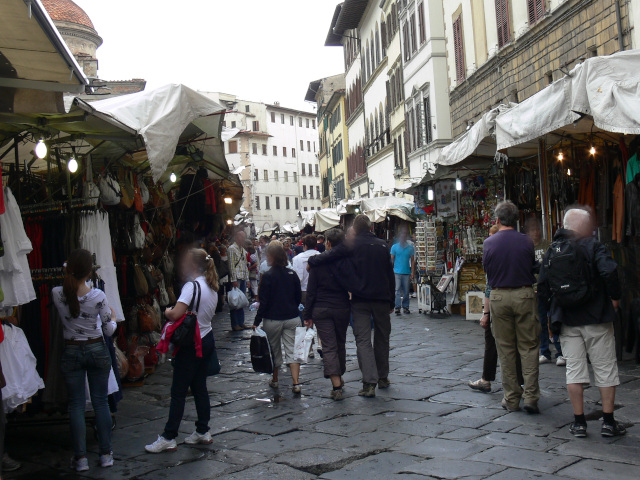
{"points": [[509, 262]]}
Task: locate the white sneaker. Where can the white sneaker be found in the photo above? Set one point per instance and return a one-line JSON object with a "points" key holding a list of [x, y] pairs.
{"points": [[80, 464], [106, 461], [162, 445], [561, 361], [199, 439], [543, 359]]}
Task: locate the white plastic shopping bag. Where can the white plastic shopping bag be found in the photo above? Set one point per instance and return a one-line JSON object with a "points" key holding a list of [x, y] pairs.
{"points": [[237, 299], [302, 345]]}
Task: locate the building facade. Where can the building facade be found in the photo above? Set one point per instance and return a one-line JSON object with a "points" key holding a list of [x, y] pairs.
{"points": [[276, 149], [425, 85], [503, 51]]}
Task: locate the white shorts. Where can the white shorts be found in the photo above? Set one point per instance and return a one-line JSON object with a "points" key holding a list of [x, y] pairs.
{"points": [[598, 342]]}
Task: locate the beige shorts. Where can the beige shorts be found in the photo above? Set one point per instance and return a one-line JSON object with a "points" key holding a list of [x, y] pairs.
{"points": [[598, 342]]}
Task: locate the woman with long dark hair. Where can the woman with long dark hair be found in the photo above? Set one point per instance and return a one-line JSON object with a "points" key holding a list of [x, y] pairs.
{"points": [[190, 369], [86, 318]]}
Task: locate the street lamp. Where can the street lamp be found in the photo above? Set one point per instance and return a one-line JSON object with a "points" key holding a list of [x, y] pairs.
{"points": [[372, 185]]}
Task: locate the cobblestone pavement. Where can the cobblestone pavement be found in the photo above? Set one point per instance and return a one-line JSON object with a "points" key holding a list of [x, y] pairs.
{"points": [[429, 424]]}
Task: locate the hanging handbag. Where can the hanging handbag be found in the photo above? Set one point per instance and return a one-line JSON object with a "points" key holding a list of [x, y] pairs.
{"points": [[137, 196], [139, 281], [126, 189], [172, 295], [146, 322], [138, 233], [151, 282], [163, 296], [109, 190], [144, 191], [183, 336]]}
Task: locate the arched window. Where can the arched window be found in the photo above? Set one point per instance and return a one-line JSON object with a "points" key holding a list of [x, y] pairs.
{"points": [[368, 67], [377, 46]]}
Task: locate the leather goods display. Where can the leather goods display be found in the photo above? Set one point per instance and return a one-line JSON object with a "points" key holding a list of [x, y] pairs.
{"points": [[137, 195], [139, 280], [110, 193], [126, 189]]}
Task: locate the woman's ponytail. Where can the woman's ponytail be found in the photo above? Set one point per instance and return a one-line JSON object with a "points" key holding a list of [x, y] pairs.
{"points": [[78, 268], [207, 267]]}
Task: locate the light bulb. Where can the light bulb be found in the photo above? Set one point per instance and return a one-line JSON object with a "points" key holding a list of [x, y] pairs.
{"points": [[458, 184], [41, 149], [592, 151], [561, 156], [430, 194], [72, 165], [228, 200], [568, 172], [173, 177], [229, 222]]}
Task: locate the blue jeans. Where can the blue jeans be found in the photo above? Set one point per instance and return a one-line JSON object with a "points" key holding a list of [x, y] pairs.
{"points": [[189, 371], [93, 362], [237, 316], [402, 290], [544, 333]]}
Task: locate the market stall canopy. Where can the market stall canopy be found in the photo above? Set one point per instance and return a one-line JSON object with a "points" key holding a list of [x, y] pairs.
{"points": [[347, 206], [378, 208], [606, 88], [320, 220], [36, 66]]}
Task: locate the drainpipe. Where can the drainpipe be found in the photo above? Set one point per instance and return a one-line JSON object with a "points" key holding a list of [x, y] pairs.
{"points": [[619, 23]]}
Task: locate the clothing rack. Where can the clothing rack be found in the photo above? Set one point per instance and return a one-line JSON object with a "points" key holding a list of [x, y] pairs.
{"points": [[58, 206]]}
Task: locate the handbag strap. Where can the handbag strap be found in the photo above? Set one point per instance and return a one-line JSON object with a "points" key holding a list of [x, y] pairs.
{"points": [[198, 292]]}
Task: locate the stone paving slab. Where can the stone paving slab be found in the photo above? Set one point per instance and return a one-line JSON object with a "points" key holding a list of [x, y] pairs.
{"points": [[452, 469], [442, 448], [524, 459], [600, 470], [382, 464]]}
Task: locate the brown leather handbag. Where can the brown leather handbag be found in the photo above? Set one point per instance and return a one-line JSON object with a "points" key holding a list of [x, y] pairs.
{"points": [[137, 195], [126, 189], [146, 320], [139, 280]]}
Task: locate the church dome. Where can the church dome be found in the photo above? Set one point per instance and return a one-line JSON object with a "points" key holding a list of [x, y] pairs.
{"points": [[67, 11]]}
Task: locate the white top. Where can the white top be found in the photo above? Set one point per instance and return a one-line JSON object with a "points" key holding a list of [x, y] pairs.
{"points": [[93, 307], [208, 303], [300, 263]]}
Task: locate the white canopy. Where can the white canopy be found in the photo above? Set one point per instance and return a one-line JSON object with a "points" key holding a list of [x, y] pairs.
{"points": [[320, 220], [161, 116], [378, 208], [607, 88]]}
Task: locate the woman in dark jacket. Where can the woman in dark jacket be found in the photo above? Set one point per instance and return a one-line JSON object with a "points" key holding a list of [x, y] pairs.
{"points": [[280, 296]]}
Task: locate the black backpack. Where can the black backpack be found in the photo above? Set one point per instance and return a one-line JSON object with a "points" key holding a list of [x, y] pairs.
{"points": [[568, 272]]}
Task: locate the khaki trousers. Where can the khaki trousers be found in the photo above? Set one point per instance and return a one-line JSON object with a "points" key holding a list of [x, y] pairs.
{"points": [[516, 330]]}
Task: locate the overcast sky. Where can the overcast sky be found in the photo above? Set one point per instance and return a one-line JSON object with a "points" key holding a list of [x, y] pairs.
{"points": [[257, 49]]}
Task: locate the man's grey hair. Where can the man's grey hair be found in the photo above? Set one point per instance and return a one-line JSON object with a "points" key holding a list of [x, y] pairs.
{"points": [[507, 213], [575, 218]]}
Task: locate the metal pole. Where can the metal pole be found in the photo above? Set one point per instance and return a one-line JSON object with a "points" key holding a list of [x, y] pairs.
{"points": [[542, 170], [619, 23]]}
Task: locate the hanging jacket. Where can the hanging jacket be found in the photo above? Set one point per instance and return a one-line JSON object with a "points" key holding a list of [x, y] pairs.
{"points": [[632, 206]]}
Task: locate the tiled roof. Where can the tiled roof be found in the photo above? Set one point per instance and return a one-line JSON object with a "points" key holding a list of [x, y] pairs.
{"points": [[67, 11]]}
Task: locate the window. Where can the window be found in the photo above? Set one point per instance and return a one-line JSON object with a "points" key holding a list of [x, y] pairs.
{"points": [[282, 118], [304, 191], [295, 178], [291, 119], [314, 147], [233, 146], [254, 148], [502, 20], [273, 117], [421, 25], [307, 123], [277, 203], [405, 37], [265, 175], [286, 176], [428, 130], [275, 176], [305, 209], [257, 202], [308, 146], [256, 126], [275, 151], [317, 192], [264, 148], [313, 124], [296, 203], [300, 121], [301, 145], [310, 191], [535, 10], [287, 203], [458, 45], [224, 123], [284, 151], [412, 33], [266, 202], [317, 173], [310, 170], [256, 176], [246, 108], [233, 124], [293, 152], [302, 166]]}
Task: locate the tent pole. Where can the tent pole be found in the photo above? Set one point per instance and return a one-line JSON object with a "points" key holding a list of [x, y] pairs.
{"points": [[542, 168]]}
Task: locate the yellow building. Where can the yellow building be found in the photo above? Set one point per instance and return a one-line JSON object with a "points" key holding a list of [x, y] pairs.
{"points": [[329, 96]]}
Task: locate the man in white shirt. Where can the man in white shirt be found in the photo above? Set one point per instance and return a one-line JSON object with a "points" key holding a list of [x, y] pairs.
{"points": [[300, 262]]}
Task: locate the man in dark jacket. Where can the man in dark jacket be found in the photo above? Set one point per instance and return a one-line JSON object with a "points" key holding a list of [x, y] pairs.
{"points": [[587, 328], [327, 306], [365, 270]]}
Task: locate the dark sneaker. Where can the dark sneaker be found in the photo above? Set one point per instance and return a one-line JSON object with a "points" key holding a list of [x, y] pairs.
{"points": [[368, 390], [508, 408], [337, 395], [481, 386], [407, 311], [397, 311], [531, 408], [615, 430], [384, 383], [578, 430]]}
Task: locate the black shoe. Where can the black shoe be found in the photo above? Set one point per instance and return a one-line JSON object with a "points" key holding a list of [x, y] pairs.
{"points": [[531, 408], [407, 311], [398, 311], [615, 430], [578, 430]]}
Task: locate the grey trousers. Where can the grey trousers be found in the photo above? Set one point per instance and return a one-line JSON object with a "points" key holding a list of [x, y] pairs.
{"points": [[372, 359]]}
